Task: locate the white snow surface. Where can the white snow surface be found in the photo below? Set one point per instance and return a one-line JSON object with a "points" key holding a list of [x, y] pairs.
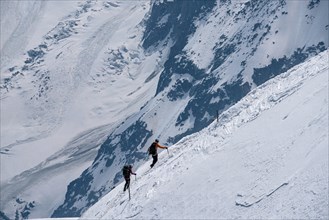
{"points": [[47, 141], [34, 17], [265, 158], [297, 27], [84, 97]]}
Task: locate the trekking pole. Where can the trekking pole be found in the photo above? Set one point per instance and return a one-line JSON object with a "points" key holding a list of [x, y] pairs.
{"points": [[129, 192]]}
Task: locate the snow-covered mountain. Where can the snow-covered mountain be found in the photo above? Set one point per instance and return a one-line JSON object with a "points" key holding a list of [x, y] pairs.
{"points": [[60, 100], [265, 158], [87, 85]]}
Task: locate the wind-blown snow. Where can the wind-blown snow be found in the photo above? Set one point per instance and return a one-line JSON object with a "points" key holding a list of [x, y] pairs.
{"points": [[266, 158]]}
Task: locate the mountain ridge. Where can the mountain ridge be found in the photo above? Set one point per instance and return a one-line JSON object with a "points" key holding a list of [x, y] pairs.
{"points": [[94, 69], [241, 166]]}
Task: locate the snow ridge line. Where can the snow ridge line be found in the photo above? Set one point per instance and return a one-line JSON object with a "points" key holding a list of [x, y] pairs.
{"points": [[249, 108], [252, 105], [269, 94]]}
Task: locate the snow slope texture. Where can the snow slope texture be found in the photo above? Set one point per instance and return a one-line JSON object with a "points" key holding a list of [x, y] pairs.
{"points": [[266, 157]]}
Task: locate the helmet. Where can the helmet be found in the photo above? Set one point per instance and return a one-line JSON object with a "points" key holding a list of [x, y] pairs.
{"points": [[156, 140], [130, 166]]}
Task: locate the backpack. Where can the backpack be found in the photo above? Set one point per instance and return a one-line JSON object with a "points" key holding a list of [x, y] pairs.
{"points": [[126, 171], [152, 149]]}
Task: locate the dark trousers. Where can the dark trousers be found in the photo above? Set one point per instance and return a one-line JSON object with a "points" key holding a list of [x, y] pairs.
{"points": [[155, 159], [127, 184]]}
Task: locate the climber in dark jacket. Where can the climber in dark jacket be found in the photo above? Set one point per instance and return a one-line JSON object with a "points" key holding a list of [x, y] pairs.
{"points": [[127, 171], [153, 150]]}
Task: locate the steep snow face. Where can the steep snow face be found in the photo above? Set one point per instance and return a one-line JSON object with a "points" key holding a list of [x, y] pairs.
{"points": [[227, 50], [101, 75], [205, 72], [265, 158], [263, 30]]}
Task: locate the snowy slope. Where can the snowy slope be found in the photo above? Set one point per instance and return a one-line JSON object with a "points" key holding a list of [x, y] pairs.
{"points": [[87, 85], [266, 158], [50, 101], [203, 74], [61, 105], [33, 17]]}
